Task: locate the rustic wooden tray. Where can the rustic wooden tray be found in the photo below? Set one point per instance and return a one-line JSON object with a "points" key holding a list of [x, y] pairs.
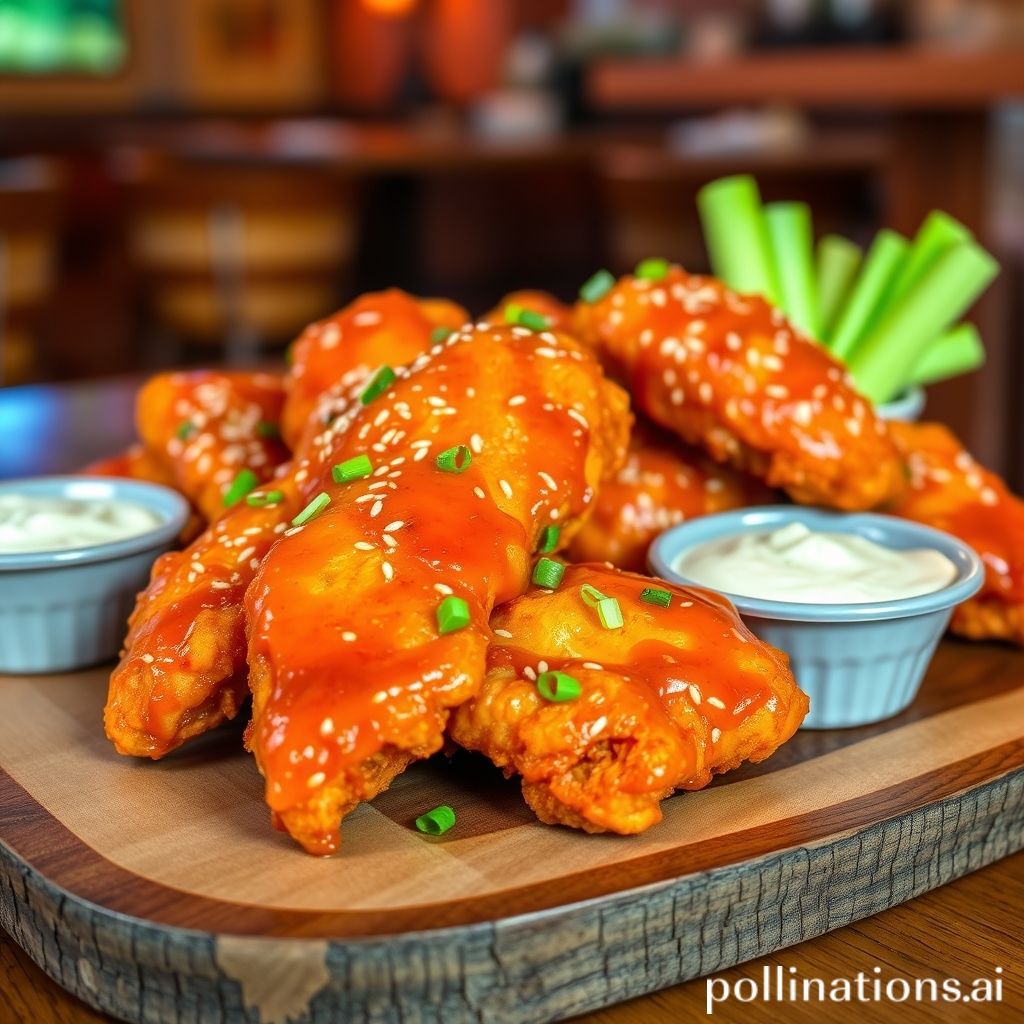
{"points": [[158, 892]]}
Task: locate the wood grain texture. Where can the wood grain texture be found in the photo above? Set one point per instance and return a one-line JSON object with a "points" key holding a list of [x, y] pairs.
{"points": [[961, 930], [914, 803]]}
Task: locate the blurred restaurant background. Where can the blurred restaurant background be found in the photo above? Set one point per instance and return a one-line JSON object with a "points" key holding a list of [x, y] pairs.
{"points": [[192, 181]]}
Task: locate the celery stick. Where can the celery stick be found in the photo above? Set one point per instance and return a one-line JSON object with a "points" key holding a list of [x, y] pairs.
{"points": [[837, 266], [868, 294], [882, 363], [792, 241], [956, 352], [937, 234], [737, 237]]}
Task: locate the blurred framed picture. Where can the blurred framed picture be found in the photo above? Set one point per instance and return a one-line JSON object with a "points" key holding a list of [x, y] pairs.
{"points": [[252, 53]]}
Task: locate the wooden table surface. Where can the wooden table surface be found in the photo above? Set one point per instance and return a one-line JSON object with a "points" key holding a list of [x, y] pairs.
{"points": [[963, 930]]}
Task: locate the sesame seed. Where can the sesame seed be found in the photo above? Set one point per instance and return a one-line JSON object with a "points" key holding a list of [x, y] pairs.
{"points": [[362, 545], [716, 703], [505, 488], [476, 443], [326, 727], [517, 400], [388, 570], [503, 632], [548, 480], [479, 492], [348, 636], [376, 507], [443, 588], [396, 525], [716, 735], [695, 693], [316, 779]]}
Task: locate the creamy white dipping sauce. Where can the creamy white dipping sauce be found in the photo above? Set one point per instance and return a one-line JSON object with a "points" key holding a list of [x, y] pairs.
{"points": [[796, 564], [29, 523]]}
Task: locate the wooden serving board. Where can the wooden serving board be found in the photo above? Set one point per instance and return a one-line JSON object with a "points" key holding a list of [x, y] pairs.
{"points": [[158, 892]]}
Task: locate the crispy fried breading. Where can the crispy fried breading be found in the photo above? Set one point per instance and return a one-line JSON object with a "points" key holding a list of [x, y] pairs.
{"points": [[727, 372], [351, 672], [952, 492], [672, 697]]}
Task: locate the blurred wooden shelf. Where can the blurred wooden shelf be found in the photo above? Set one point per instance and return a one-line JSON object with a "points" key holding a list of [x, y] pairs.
{"points": [[898, 78]]}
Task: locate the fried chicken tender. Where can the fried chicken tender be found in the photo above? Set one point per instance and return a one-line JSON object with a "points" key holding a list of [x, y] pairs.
{"points": [[354, 666], [557, 313], [662, 482], [382, 328], [728, 372], [950, 491], [671, 698], [204, 426], [183, 669]]}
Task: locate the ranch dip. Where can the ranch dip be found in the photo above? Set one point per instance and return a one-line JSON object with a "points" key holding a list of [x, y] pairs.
{"points": [[797, 564], [29, 523]]}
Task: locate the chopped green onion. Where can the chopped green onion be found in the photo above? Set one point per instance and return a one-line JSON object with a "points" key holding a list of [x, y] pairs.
{"points": [[549, 539], [313, 509], [267, 429], [379, 383], [185, 430], [609, 612], [598, 286], [516, 314], [352, 469], [244, 482], [261, 499], [653, 269], [437, 821], [452, 615], [548, 573], [558, 687], [454, 460], [439, 334], [591, 595], [655, 595]]}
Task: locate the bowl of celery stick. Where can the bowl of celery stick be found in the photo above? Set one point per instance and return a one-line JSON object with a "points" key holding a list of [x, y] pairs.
{"points": [[890, 314]]}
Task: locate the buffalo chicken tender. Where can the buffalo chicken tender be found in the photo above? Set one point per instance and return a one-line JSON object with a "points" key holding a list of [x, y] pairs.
{"points": [[950, 491], [368, 620], [729, 373], [665, 701], [663, 482]]}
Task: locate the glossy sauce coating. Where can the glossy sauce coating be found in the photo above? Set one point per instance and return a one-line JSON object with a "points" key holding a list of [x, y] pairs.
{"points": [[950, 491], [389, 327], [558, 314], [183, 669], [206, 426], [729, 373], [663, 482], [673, 696], [346, 660]]}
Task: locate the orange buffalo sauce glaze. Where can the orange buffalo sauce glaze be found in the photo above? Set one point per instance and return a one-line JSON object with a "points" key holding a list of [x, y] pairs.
{"points": [[343, 610], [698, 642], [729, 372], [950, 491], [378, 328]]}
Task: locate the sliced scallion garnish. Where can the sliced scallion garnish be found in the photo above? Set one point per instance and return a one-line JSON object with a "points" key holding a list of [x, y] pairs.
{"points": [[379, 383], [655, 595], [598, 286], [549, 539], [454, 460], [439, 334], [452, 615], [352, 469], [558, 687], [436, 822], [261, 499], [313, 509], [517, 314], [652, 269], [245, 481], [548, 573]]}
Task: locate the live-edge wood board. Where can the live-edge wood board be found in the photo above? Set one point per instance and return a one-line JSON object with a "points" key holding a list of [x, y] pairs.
{"points": [[159, 893]]}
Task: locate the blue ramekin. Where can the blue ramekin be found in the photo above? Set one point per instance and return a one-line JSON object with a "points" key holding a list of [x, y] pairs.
{"points": [[858, 663], [63, 610], [906, 406]]}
